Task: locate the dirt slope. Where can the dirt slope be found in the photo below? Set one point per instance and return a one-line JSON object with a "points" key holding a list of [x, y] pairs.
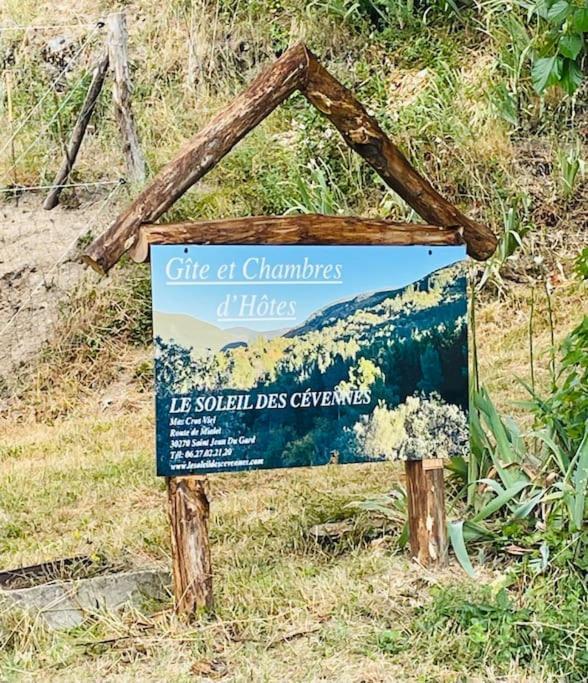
{"points": [[38, 267]]}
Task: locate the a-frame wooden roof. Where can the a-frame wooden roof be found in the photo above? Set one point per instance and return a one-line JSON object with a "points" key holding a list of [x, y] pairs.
{"points": [[296, 69]]}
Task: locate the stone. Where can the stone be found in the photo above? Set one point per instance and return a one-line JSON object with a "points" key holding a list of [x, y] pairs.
{"points": [[65, 604]]}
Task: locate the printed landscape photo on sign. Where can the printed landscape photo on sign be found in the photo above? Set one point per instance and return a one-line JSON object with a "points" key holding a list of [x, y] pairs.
{"points": [[294, 356]]}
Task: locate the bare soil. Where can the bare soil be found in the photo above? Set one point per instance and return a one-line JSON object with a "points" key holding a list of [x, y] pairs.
{"points": [[38, 267]]}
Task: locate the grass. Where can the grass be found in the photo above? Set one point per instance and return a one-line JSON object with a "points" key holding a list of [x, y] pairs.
{"points": [[76, 453], [287, 606], [503, 340], [94, 491], [429, 84]]}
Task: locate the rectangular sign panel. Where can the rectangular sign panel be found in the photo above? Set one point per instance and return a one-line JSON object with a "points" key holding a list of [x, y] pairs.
{"points": [[293, 356]]}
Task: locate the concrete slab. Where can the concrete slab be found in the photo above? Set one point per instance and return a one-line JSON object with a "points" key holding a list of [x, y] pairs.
{"points": [[65, 604]]}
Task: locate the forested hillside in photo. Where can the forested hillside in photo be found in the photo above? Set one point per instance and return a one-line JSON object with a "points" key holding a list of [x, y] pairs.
{"points": [[405, 349]]}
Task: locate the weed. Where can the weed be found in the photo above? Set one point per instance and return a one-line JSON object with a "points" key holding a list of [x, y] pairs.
{"points": [[546, 630], [572, 168]]}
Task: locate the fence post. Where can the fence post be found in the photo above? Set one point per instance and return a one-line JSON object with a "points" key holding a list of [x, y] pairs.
{"points": [[188, 509], [426, 511], [121, 95]]}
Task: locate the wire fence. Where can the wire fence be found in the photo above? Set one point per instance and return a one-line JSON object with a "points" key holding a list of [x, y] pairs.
{"points": [[37, 247], [49, 90], [15, 190], [49, 27]]}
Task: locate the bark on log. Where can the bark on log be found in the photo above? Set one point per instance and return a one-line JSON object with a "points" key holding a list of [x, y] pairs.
{"points": [[363, 134], [302, 229], [426, 511], [78, 132], [122, 96], [188, 510], [271, 87], [296, 69]]}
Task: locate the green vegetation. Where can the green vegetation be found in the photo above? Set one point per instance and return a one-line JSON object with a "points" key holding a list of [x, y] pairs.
{"points": [[561, 44], [491, 628], [456, 91], [486, 99], [528, 487], [521, 494]]}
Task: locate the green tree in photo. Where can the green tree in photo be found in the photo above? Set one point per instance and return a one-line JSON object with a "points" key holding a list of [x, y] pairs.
{"points": [[431, 370], [382, 433], [420, 428], [174, 367]]}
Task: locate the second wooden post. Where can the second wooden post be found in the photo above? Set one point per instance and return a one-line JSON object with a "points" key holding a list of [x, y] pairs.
{"points": [[426, 511], [189, 509], [122, 95]]}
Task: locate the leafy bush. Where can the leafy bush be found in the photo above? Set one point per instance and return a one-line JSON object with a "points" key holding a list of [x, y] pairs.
{"points": [[515, 483], [553, 29], [565, 411], [561, 47]]}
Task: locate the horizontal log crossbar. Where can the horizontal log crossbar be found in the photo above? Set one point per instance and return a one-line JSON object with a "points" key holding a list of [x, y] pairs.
{"points": [[301, 229], [296, 70]]}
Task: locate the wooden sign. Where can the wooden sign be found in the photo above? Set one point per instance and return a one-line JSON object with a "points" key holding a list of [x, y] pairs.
{"points": [[295, 356], [370, 367]]}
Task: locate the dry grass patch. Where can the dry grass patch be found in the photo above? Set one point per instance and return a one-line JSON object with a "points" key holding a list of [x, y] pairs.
{"points": [[287, 607], [503, 337]]}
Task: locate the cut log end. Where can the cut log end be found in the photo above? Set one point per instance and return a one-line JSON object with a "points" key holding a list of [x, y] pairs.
{"points": [[481, 241], [139, 252], [88, 260]]}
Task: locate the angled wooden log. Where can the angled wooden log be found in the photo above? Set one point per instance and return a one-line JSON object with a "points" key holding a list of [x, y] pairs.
{"points": [[78, 132], [300, 229], [296, 69], [363, 134], [188, 511], [203, 152]]}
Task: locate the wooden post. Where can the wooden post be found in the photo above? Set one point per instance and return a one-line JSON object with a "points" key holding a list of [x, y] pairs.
{"points": [[426, 511], [121, 94], [8, 81], [78, 133], [188, 510]]}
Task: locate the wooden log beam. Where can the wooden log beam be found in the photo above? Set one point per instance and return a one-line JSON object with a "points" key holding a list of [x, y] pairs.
{"points": [[188, 511], [271, 87], [302, 229], [426, 511], [78, 132], [296, 69], [363, 134]]}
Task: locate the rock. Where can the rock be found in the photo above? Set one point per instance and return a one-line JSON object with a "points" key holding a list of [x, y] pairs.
{"points": [[330, 531], [65, 604], [59, 50]]}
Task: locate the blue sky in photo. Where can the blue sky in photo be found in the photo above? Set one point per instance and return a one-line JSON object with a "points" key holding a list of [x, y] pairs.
{"points": [[364, 269]]}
